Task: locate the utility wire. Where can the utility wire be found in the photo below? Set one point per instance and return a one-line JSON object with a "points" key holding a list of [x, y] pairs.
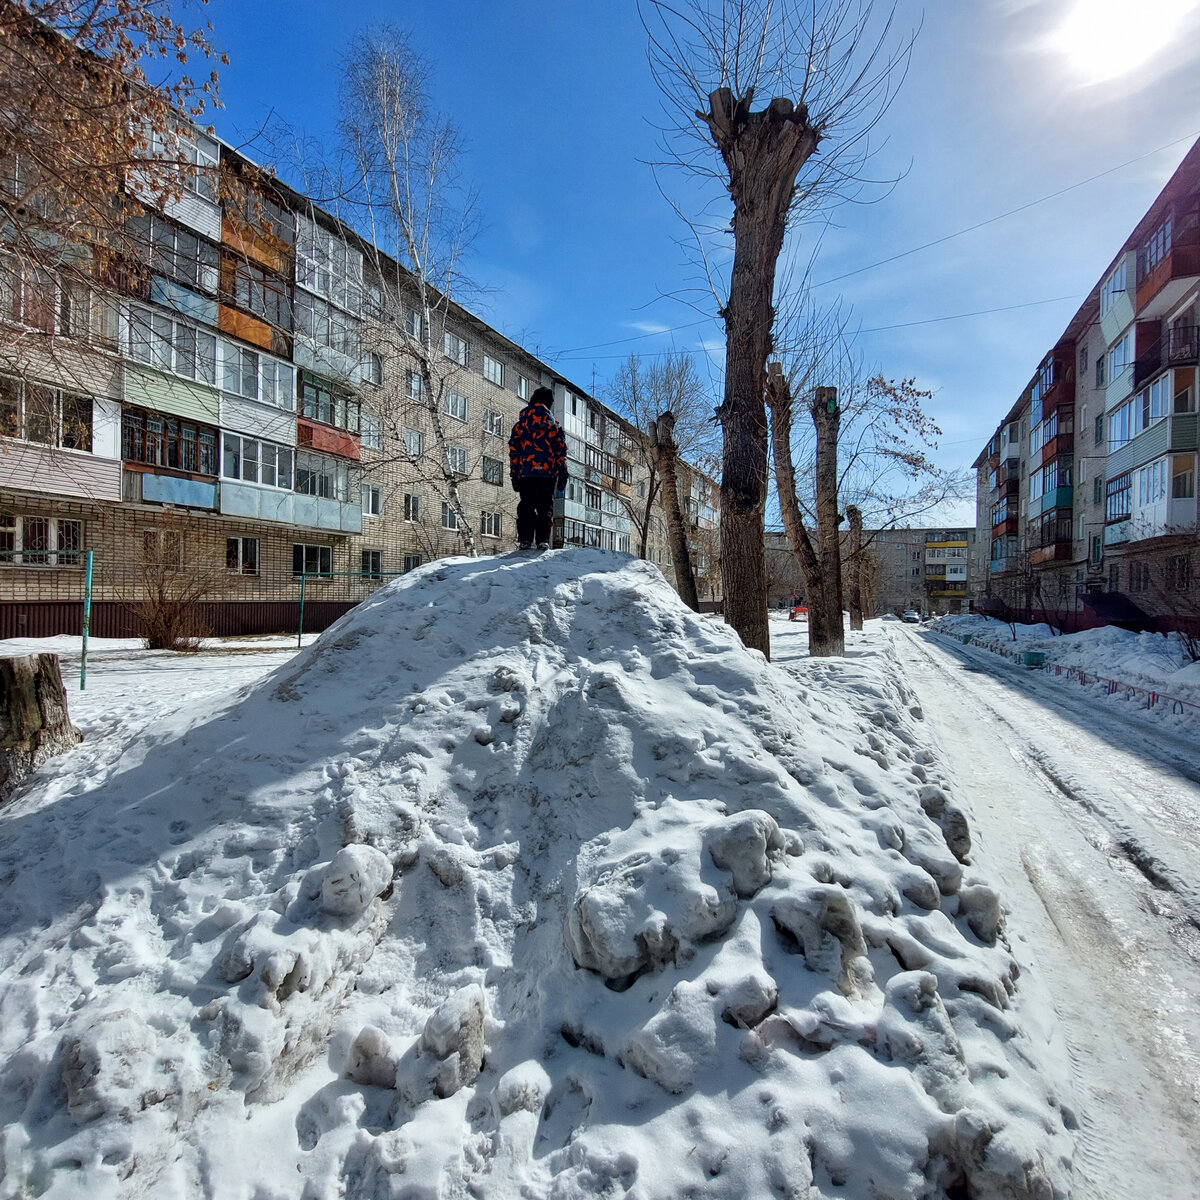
{"points": [[905, 253], [982, 312]]}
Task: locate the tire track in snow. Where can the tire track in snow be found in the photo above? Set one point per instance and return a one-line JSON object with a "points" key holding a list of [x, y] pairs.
{"points": [[1105, 947], [1137, 841]]}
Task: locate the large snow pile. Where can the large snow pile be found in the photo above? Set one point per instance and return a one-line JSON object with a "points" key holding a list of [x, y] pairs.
{"points": [[523, 880], [1152, 661]]}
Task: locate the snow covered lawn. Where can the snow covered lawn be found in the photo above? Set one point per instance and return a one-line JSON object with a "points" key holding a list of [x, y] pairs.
{"points": [[522, 880]]}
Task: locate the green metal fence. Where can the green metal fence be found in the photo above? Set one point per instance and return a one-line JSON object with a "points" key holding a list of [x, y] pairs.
{"points": [[43, 559]]}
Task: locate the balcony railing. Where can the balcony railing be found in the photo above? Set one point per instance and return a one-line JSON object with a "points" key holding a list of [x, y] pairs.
{"points": [[1178, 347]]}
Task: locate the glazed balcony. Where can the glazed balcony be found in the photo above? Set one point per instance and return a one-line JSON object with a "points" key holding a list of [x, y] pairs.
{"points": [[1163, 283], [1055, 552]]}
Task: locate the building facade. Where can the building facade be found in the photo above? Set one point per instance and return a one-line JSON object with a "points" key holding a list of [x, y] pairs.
{"points": [[1086, 493], [238, 405]]}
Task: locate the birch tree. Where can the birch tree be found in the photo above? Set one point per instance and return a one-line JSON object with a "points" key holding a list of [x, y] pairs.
{"points": [[822, 71], [402, 186]]}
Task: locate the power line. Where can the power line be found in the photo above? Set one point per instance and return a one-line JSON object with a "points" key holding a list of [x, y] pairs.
{"points": [[982, 312], [1011, 212], [905, 253]]}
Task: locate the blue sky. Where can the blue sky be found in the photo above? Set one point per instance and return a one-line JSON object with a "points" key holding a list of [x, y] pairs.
{"points": [[1006, 102]]}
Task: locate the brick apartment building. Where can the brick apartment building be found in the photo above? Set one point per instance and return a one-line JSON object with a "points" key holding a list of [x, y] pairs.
{"points": [[1086, 493], [239, 408]]}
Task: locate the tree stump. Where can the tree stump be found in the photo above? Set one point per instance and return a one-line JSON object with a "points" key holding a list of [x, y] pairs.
{"points": [[34, 723]]}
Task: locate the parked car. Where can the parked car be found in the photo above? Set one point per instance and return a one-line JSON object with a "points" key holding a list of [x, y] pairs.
{"points": [[911, 616]]}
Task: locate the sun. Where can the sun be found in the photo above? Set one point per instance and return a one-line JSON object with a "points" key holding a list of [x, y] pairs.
{"points": [[1102, 39]]}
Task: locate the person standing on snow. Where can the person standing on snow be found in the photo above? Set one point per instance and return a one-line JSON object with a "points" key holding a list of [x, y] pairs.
{"points": [[537, 466]]}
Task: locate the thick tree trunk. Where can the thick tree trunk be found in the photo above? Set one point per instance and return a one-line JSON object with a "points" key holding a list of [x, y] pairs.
{"points": [[827, 418], [34, 724], [763, 153], [664, 448], [854, 572]]}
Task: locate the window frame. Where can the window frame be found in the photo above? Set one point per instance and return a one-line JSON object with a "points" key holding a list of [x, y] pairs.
{"points": [[14, 536], [264, 451], [235, 549], [374, 492], [323, 553], [455, 348], [493, 370], [456, 405], [450, 515]]}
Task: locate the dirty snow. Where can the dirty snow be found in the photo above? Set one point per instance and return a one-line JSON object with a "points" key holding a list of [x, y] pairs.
{"points": [[522, 880]]}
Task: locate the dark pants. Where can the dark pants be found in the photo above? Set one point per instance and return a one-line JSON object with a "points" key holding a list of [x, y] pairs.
{"points": [[535, 509]]}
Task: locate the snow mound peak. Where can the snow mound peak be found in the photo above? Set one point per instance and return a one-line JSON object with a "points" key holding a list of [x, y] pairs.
{"points": [[523, 879]]}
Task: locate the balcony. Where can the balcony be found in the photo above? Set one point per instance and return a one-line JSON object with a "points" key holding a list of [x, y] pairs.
{"points": [[1118, 533], [1055, 552], [326, 439], [1059, 497], [1005, 528], [1162, 286], [1178, 347], [1003, 565], [1178, 433], [1060, 443]]}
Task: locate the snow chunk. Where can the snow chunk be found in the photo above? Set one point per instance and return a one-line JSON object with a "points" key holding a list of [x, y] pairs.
{"points": [[353, 879], [372, 1060], [745, 845], [107, 1066], [454, 1035]]}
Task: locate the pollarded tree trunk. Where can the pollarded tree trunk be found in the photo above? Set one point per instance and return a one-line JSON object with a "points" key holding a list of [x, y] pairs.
{"points": [[854, 566], [763, 153], [666, 455], [34, 724]]}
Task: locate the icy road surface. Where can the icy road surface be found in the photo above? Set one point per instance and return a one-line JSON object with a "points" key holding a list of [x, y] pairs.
{"points": [[1092, 820]]}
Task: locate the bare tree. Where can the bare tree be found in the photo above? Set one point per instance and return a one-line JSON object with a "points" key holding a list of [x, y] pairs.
{"points": [[401, 185], [85, 137], [830, 71], [643, 392], [666, 460], [854, 565]]}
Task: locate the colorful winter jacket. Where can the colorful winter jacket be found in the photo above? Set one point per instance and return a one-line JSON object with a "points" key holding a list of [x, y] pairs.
{"points": [[537, 447]]}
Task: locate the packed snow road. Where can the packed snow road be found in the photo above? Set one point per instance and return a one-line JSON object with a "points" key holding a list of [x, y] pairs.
{"points": [[1090, 817]]}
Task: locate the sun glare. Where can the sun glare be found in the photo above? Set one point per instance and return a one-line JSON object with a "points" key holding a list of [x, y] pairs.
{"points": [[1103, 39]]}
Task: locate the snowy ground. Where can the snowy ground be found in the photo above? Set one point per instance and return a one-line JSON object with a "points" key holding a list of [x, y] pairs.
{"points": [[1088, 809], [525, 881]]}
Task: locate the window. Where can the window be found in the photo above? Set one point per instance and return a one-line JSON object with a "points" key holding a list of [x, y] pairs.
{"points": [[1183, 477], [257, 377], [1099, 434], [1097, 551], [328, 266], [1118, 496], [40, 541], [320, 401], [1098, 489], [256, 290], [177, 254], [1179, 573], [414, 443], [454, 347], [489, 523], [372, 431], [255, 461], [522, 387], [326, 325], [1152, 483], [1114, 576], [311, 560], [493, 422], [241, 555], [1120, 426], [46, 415], [456, 459], [412, 324], [321, 475], [160, 441], [416, 389], [165, 344], [449, 516], [455, 406], [412, 508], [1155, 250], [493, 471], [162, 549], [372, 368], [493, 370], [411, 562], [1101, 360], [1114, 286], [372, 564], [372, 500], [1083, 361], [1120, 356], [197, 155]]}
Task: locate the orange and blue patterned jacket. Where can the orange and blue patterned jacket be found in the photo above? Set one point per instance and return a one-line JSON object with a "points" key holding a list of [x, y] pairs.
{"points": [[537, 447]]}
